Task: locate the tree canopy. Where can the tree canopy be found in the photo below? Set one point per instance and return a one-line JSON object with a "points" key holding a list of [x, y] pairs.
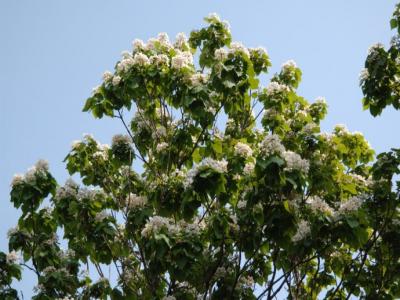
{"points": [[219, 187]]}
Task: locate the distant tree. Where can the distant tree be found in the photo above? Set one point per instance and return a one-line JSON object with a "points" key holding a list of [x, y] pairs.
{"points": [[220, 189]]}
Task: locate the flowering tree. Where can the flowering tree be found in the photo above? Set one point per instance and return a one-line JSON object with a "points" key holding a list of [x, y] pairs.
{"points": [[204, 199]]}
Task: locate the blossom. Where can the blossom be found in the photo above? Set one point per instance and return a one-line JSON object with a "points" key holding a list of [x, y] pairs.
{"points": [[156, 223], [220, 54], [351, 205], [140, 59], [375, 48], [116, 80], [125, 64], [12, 257], [181, 41], [219, 166], [237, 47], [248, 168], [271, 145], [289, 65], [198, 79], [134, 200], [107, 76], [163, 38], [275, 89], [120, 139], [243, 150], [214, 17], [12, 231], [101, 216], [303, 230], [270, 114], [75, 144], [169, 298], [159, 60], [138, 45], [182, 60], [17, 179], [364, 75], [161, 147], [317, 204], [295, 162], [241, 204]]}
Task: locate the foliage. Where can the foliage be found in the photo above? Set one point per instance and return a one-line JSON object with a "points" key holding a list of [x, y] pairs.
{"points": [[220, 209]]}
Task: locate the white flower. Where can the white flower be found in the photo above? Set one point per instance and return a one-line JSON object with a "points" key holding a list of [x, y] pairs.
{"points": [[243, 150], [12, 257], [138, 45], [275, 89], [287, 66], [364, 75], [161, 147], [116, 80], [271, 145], [75, 144], [156, 223], [248, 168], [237, 47], [270, 114], [303, 230], [198, 79], [107, 76], [159, 60], [220, 54], [317, 204], [309, 128], [181, 41], [163, 38], [320, 100], [101, 216], [182, 60], [12, 231], [220, 272], [140, 59], [241, 204], [17, 179], [126, 54], [260, 50], [96, 90], [151, 44], [134, 200], [159, 132], [218, 166], [374, 48], [295, 162], [169, 298], [214, 17], [42, 165], [352, 204], [48, 270]]}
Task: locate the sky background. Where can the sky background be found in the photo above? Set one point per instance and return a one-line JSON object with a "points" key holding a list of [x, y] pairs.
{"points": [[53, 53]]}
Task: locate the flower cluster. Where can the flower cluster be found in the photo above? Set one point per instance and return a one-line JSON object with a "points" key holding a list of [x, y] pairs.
{"points": [[39, 169], [303, 230], [248, 168], [271, 145], [157, 223], [295, 162], [133, 201], [219, 166], [318, 205], [275, 90], [243, 150], [351, 205], [182, 60], [12, 257]]}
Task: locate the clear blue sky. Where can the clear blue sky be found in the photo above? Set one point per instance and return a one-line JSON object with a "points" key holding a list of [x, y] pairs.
{"points": [[53, 52]]}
